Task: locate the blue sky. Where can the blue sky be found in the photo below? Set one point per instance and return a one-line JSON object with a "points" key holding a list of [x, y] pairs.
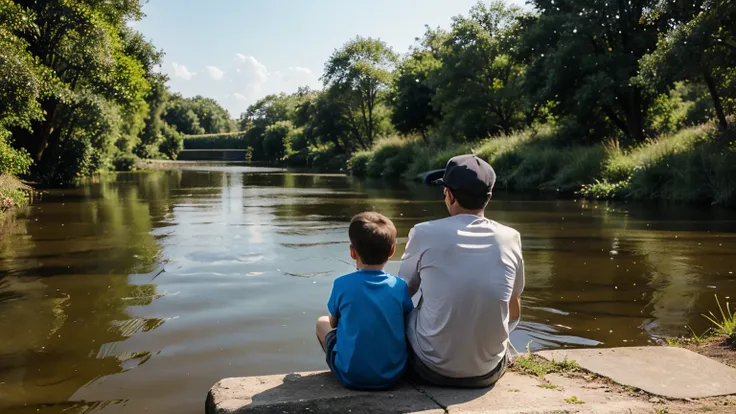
{"points": [[237, 51]]}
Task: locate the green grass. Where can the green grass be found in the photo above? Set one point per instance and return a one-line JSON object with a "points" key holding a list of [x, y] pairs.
{"points": [[725, 322], [695, 164], [535, 365], [574, 400], [549, 386]]}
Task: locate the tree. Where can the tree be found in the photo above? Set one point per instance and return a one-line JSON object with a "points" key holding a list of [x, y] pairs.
{"points": [[179, 114], [585, 53], [411, 92], [478, 86], [361, 71], [698, 43], [213, 118], [87, 65], [274, 140]]}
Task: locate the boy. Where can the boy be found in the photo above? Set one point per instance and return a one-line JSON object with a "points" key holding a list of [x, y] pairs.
{"points": [[364, 336]]}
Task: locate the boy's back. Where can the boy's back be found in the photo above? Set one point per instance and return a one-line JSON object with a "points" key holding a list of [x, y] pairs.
{"points": [[370, 306], [363, 337]]}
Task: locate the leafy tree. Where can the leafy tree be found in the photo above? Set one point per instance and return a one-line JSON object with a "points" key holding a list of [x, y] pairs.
{"points": [[479, 83], [274, 139], [361, 71], [698, 43], [585, 53], [75, 61], [179, 114], [213, 118], [412, 94]]}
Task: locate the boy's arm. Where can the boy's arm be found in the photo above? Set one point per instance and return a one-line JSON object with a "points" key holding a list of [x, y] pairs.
{"points": [[333, 306], [409, 270]]}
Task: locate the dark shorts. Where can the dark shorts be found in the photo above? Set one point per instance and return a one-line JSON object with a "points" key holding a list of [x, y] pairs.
{"points": [[420, 372], [328, 347]]}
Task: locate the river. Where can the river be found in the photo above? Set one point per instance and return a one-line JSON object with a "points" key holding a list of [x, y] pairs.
{"points": [[136, 292]]}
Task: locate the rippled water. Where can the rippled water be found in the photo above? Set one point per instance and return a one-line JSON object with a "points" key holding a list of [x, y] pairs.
{"points": [[138, 291]]}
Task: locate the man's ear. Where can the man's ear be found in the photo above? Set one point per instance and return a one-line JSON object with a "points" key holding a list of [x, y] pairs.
{"points": [[353, 253], [450, 197]]}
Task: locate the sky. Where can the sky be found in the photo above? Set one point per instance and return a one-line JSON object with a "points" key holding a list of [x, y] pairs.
{"points": [[238, 51]]}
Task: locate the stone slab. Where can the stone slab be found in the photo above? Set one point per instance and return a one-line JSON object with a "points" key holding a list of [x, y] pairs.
{"points": [[320, 392], [310, 392], [516, 393], [665, 371]]}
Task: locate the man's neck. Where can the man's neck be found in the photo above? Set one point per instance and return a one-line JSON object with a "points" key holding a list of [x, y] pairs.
{"points": [[459, 211]]}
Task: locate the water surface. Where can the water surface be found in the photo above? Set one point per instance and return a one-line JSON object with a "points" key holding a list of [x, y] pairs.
{"points": [[138, 291]]}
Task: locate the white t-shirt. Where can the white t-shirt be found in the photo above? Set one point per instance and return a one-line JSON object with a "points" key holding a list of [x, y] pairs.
{"points": [[467, 268]]}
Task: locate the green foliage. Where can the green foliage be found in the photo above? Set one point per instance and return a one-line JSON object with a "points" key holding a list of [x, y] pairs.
{"points": [[124, 162], [233, 140], [574, 400], [12, 161], [479, 84], [275, 140], [171, 143], [536, 365], [725, 321], [360, 72], [583, 54]]}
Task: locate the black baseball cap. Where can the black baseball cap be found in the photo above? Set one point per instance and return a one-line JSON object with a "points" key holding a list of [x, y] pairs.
{"points": [[466, 174]]}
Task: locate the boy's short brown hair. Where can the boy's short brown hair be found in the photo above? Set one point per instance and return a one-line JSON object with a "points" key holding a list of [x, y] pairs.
{"points": [[373, 235]]}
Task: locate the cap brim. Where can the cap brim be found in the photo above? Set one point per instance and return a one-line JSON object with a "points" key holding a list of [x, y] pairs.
{"points": [[434, 178]]}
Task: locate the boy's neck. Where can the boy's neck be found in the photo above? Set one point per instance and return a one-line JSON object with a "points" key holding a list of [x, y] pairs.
{"points": [[378, 268]]}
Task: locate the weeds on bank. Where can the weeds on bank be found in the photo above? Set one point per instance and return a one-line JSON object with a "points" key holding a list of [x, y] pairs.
{"points": [[574, 400], [549, 386], [725, 324], [536, 365]]}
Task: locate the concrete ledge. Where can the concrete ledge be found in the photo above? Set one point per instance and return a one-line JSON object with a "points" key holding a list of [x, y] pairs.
{"points": [[309, 392], [321, 392]]}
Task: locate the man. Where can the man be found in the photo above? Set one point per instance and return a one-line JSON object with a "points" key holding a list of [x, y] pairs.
{"points": [[468, 272]]}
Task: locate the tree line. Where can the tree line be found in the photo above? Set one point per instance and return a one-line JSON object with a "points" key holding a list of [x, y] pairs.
{"points": [[592, 69], [80, 92]]}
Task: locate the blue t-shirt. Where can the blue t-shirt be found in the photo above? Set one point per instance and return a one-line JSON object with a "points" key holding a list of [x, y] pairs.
{"points": [[371, 341]]}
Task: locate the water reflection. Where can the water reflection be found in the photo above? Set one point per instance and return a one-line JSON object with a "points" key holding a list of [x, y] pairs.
{"points": [[138, 291]]}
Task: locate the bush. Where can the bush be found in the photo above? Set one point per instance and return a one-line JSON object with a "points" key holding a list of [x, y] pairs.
{"points": [[275, 139], [327, 158], [233, 140], [358, 163], [124, 162], [13, 161], [172, 142]]}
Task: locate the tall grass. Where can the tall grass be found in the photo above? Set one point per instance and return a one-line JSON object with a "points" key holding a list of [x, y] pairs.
{"points": [[724, 322], [692, 165]]}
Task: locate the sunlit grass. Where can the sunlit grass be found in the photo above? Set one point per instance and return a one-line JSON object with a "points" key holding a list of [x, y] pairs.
{"points": [[724, 323]]}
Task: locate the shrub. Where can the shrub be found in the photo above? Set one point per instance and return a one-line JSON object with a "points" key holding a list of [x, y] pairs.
{"points": [[358, 163], [172, 142], [275, 139], [124, 162], [327, 158], [13, 161], [233, 140]]}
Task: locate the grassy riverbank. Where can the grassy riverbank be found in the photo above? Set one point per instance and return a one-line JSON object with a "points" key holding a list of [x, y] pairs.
{"points": [[693, 165]]}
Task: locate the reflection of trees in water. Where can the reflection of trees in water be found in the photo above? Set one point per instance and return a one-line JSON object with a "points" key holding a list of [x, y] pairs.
{"points": [[66, 276]]}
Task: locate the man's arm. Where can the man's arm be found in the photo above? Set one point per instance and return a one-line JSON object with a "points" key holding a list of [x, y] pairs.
{"points": [[515, 308], [519, 282], [409, 270]]}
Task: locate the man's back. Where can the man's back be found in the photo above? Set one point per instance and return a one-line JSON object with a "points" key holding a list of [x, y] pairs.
{"points": [[470, 267]]}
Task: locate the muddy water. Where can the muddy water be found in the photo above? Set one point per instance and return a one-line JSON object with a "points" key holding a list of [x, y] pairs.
{"points": [[136, 292]]}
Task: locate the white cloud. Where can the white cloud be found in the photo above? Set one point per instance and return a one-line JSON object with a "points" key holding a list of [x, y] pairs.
{"points": [[300, 69], [181, 71], [215, 72], [240, 82]]}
